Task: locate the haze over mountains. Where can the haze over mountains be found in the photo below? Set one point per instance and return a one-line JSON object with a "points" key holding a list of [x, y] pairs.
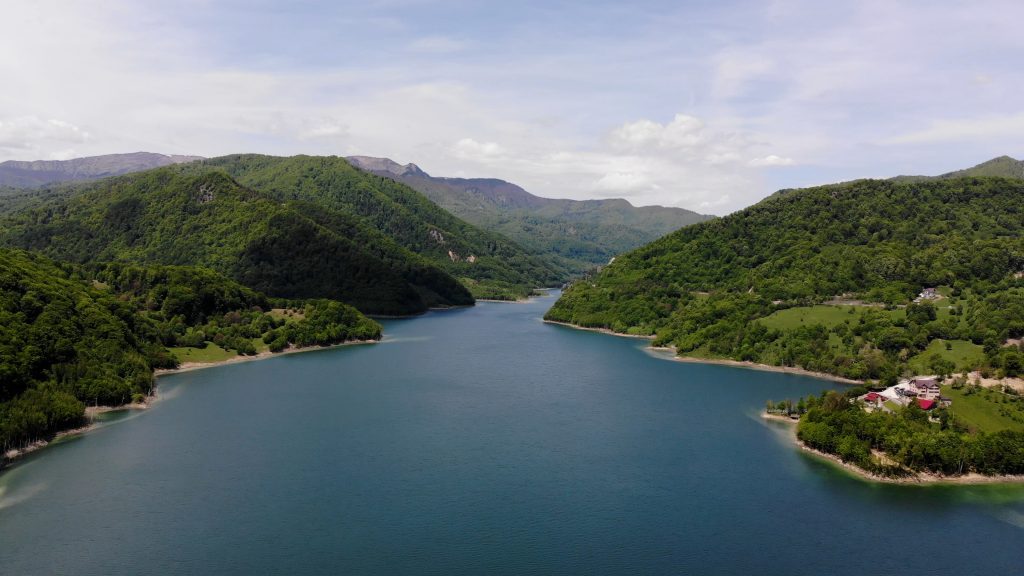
{"points": [[580, 233], [41, 172]]}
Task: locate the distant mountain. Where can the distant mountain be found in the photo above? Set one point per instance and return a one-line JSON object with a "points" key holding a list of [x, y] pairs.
{"points": [[41, 172], [580, 234], [1003, 166]]}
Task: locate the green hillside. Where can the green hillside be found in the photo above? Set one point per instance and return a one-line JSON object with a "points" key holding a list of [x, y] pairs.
{"points": [[198, 215], [493, 265], [703, 288], [577, 234], [72, 336]]}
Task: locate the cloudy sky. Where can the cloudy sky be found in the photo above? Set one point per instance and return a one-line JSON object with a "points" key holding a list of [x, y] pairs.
{"points": [[708, 105]]}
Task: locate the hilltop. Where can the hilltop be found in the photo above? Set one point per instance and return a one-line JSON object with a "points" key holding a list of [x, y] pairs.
{"points": [[201, 216], [580, 233], [1003, 166], [742, 287]]}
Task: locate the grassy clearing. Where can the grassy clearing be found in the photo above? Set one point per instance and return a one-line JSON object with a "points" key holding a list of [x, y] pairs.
{"points": [[260, 345], [986, 410], [212, 353], [963, 354], [287, 313], [824, 314], [829, 315]]}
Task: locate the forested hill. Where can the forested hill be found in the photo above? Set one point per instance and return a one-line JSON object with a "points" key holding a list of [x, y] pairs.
{"points": [[579, 234], [706, 287], [72, 336], [198, 215], [491, 265]]}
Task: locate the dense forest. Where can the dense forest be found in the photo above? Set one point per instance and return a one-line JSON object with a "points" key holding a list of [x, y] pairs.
{"points": [[491, 265], [719, 288], [201, 216], [72, 336]]}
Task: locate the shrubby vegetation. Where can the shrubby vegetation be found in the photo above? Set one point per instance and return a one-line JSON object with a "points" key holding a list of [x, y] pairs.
{"points": [[72, 336], [706, 288], [910, 440]]}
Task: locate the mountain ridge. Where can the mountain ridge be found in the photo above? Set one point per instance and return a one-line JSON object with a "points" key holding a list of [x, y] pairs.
{"points": [[582, 233], [34, 173], [199, 215]]}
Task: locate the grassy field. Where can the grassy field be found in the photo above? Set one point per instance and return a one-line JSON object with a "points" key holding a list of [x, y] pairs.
{"points": [[823, 314], [965, 355], [212, 353], [829, 315], [987, 410]]}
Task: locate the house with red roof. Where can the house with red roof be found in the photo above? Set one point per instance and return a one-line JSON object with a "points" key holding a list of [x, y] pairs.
{"points": [[873, 399], [925, 404]]}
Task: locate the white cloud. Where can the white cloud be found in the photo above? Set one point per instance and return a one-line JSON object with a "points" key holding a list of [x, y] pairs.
{"points": [[770, 160], [625, 182], [36, 135], [683, 132], [470, 149], [864, 87]]}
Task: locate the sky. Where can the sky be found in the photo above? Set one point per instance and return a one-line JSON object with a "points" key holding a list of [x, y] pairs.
{"points": [[706, 105]]}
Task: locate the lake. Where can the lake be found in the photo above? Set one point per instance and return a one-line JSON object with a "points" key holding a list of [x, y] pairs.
{"points": [[480, 441]]}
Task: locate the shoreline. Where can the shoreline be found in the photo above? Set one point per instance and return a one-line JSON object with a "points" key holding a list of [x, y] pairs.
{"points": [[718, 361], [762, 367], [526, 300], [11, 456], [599, 331], [191, 366], [497, 301], [916, 479]]}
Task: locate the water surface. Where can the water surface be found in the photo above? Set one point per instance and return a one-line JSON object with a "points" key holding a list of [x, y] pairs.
{"points": [[480, 441]]}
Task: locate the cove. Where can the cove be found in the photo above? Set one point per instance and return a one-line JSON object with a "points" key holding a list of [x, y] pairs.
{"points": [[480, 441]]}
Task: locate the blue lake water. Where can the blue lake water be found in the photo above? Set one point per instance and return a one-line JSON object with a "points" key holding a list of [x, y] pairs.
{"points": [[480, 441]]}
